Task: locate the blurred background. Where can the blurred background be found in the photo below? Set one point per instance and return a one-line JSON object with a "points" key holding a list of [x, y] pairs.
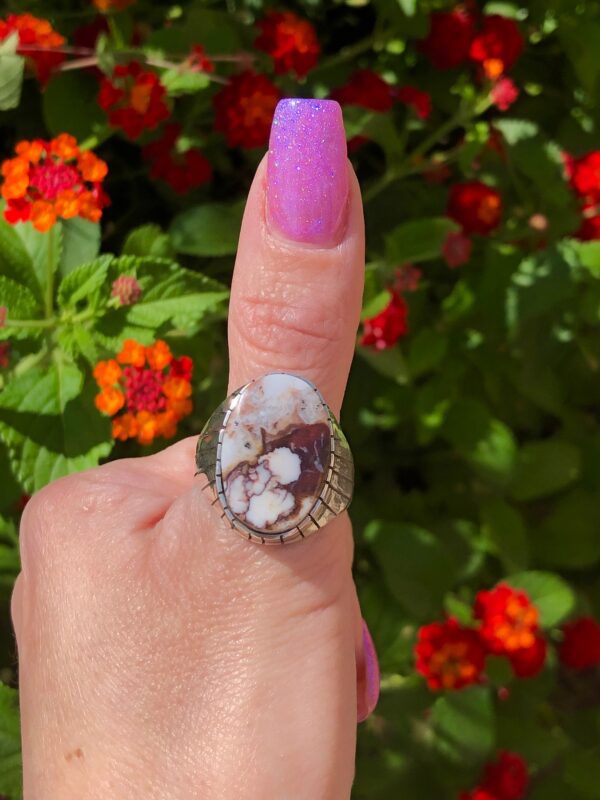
{"points": [[129, 134]]}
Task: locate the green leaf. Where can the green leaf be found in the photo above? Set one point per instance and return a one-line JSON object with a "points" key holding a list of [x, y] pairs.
{"points": [[44, 250], [568, 537], [418, 568], [582, 772], [464, 725], [545, 467], [182, 298], [18, 299], [408, 7], [389, 362], [211, 229], [15, 261], [12, 67], [485, 442], [183, 81], [418, 240], [552, 595], [516, 130], [427, 349], [81, 243], [65, 114], [10, 743], [505, 530], [50, 426], [588, 254], [148, 240], [83, 281]]}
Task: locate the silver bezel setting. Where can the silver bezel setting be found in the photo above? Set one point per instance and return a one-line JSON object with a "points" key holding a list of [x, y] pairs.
{"points": [[336, 492]]}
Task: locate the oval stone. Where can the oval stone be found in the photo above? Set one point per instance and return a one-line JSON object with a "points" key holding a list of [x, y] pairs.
{"points": [[275, 452]]}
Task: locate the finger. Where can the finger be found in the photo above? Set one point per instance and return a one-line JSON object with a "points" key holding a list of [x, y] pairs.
{"points": [[298, 280]]}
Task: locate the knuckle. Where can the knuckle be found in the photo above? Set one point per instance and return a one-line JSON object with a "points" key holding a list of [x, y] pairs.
{"points": [[301, 330]]}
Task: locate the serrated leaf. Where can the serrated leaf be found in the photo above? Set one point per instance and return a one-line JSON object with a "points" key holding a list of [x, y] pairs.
{"points": [[148, 240], [83, 281], [184, 295], [418, 240], [552, 595], [10, 743], [50, 427], [81, 243], [15, 261], [12, 67], [211, 229], [20, 304]]}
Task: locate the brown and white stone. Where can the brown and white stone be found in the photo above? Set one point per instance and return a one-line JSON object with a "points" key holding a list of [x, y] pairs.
{"points": [[275, 453]]}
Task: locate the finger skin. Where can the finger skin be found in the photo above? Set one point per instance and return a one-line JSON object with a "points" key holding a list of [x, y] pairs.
{"points": [[162, 655], [296, 307]]}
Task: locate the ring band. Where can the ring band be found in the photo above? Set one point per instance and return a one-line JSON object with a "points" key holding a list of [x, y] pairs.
{"points": [[276, 460]]}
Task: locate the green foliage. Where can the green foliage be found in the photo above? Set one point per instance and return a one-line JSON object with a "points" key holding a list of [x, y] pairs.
{"points": [[476, 433]]}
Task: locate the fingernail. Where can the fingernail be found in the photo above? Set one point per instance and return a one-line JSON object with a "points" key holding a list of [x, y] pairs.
{"points": [[307, 171], [367, 703]]}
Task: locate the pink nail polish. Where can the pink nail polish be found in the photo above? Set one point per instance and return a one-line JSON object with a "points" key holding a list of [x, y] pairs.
{"points": [[307, 171], [372, 676]]}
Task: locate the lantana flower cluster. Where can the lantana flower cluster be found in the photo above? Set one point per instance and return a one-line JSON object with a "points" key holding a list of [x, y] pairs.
{"points": [[38, 42], [47, 180], [451, 656], [506, 778], [146, 390]]}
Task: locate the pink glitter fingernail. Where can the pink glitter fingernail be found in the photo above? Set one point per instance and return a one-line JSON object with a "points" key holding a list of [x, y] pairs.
{"points": [[367, 703], [307, 172]]}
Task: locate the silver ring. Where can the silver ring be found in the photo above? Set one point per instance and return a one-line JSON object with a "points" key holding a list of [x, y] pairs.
{"points": [[276, 460]]}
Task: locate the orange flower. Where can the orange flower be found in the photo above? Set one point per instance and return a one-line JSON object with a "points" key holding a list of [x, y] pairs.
{"points": [[154, 387], [39, 43], [107, 373], [132, 353], [177, 388], [159, 355], [110, 400], [111, 5], [124, 427], [449, 656], [52, 179]]}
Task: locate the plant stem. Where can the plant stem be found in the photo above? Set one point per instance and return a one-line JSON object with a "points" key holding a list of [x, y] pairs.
{"points": [[30, 323], [351, 52], [49, 277]]}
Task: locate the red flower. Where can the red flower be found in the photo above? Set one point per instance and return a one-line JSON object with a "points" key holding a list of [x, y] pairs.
{"points": [[408, 278], [497, 46], [244, 109], [126, 289], [504, 93], [449, 656], [449, 39], [590, 229], [38, 42], [580, 648], [290, 41], [506, 778], [584, 175], [51, 179], [419, 101], [134, 99], [457, 249], [529, 661], [477, 794], [198, 60], [5, 348], [183, 171], [509, 620], [475, 206], [367, 89], [384, 330]]}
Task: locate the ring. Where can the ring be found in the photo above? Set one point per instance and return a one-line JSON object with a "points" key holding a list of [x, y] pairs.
{"points": [[276, 460]]}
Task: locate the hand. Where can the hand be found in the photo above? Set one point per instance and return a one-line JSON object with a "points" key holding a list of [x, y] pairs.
{"points": [[161, 655]]}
